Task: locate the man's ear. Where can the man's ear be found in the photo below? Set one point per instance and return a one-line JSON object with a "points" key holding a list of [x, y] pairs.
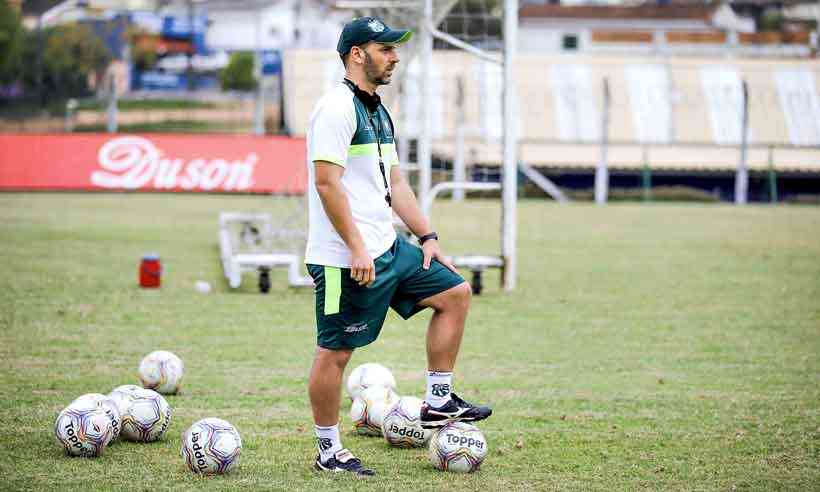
{"points": [[360, 52], [355, 54]]}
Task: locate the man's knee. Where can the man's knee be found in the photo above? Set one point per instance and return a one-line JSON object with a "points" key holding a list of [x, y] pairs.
{"points": [[458, 298], [337, 358], [465, 294]]}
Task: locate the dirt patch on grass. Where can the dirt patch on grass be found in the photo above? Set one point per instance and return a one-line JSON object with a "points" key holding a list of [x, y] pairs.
{"points": [[784, 461], [46, 392]]}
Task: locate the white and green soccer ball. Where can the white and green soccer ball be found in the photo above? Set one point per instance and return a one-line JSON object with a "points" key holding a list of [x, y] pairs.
{"points": [[147, 416], [83, 429], [457, 447], [211, 447], [108, 405], [401, 425], [367, 375], [162, 371], [368, 409]]}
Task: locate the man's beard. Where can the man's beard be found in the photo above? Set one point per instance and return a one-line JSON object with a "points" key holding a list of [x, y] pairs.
{"points": [[374, 76]]}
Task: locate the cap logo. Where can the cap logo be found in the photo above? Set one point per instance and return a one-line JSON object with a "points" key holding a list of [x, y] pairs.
{"points": [[375, 26]]}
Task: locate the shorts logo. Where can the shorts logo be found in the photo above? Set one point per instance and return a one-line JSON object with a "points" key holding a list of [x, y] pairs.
{"points": [[324, 443], [441, 389], [356, 328]]}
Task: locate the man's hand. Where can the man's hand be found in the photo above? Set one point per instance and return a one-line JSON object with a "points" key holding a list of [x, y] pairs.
{"points": [[362, 268], [431, 250]]}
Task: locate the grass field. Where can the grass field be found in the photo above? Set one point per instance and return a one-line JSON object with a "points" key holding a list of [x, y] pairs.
{"points": [[661, 347]]}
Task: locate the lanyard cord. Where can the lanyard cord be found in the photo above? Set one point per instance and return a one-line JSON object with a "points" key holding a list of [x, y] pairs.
{"points": [[374, 101], [387, 197]]}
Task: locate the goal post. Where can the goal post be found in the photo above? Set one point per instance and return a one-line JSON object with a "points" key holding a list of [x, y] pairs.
{"points": [[510, 186]]}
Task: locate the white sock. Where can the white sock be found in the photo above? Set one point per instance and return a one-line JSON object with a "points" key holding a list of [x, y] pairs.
{"points": [[439, 386], [328, 441]]}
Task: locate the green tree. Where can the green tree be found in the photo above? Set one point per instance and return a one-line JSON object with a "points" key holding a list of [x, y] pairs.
{"points": [[11, 43], [70, 54], [239, 74]]}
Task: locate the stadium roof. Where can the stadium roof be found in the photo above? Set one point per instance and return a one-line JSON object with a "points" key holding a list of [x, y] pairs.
{"points": [[645, 12], [650, 11]]}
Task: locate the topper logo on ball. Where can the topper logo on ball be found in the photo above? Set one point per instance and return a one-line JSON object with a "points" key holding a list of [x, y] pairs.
{"points": [[135, 162], [407, 431], [167, 421], [462, 440], [115, 423], [199, 455], [72, 436]]}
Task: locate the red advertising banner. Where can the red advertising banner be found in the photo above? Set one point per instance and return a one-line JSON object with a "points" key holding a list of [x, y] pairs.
{"points": [[192, 163]]}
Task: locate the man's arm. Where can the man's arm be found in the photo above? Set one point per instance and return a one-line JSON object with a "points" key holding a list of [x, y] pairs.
{"points": [[405, 204], [337, 208], [407, 208]]}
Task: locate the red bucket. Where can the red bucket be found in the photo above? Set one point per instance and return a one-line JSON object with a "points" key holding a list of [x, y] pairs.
{"points": [[150, 271]]}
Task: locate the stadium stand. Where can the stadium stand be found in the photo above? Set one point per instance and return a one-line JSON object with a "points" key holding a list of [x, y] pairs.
{"points": [[676, 113]]}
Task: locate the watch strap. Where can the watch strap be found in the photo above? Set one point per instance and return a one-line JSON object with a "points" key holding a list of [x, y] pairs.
{"points": [[428, 237]]}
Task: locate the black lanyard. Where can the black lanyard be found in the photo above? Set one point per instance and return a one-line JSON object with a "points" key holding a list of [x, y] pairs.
{"points": [[376, 128], [373, 101]]}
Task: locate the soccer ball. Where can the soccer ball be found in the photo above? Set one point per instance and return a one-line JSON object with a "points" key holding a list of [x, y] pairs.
{"points": [[457, 447], [401, 425], [83, 429], [162, 372], [108, 405], [366, 375], [125, 388], [147, 416], [211, 446], [123, 395], [368, 409]]}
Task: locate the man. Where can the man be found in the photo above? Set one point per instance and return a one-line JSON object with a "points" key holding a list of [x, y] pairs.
{"points": [[359, 265]]}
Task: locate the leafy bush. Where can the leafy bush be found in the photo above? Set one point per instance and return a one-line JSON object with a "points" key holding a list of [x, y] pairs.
{"points": [[71, 53], [11, 43], [239, 74]]}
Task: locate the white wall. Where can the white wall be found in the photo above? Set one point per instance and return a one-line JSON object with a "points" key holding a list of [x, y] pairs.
{"points": [[271, 28], [280, 26], [540, 40], [549, 40]]}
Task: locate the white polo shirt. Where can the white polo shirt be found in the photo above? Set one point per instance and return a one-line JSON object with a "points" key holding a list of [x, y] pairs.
{"points": [[342, 131]]}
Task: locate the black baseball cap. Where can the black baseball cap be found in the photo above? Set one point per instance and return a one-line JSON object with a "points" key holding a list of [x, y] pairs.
{"points": [[364, 29]]}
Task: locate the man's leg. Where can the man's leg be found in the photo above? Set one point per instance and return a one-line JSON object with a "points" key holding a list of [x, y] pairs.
{"points": [[325, 385], [446, 326], [325, 390], [443, 341]]}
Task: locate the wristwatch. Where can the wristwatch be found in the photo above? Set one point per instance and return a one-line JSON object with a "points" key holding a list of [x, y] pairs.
{"points": [[427, 237]]}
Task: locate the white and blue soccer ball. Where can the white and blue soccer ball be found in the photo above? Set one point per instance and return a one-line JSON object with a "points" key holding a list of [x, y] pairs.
{"points": [[367, 375], [83, 429], [162, 371], [108, 405], [368, 409], [123, 395], [401, 425], [125, 389], [211, 446], [147, 416], [457, 447]]}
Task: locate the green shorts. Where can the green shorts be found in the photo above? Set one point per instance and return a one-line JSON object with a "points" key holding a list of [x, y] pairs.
{"points": [[349, 315]]}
